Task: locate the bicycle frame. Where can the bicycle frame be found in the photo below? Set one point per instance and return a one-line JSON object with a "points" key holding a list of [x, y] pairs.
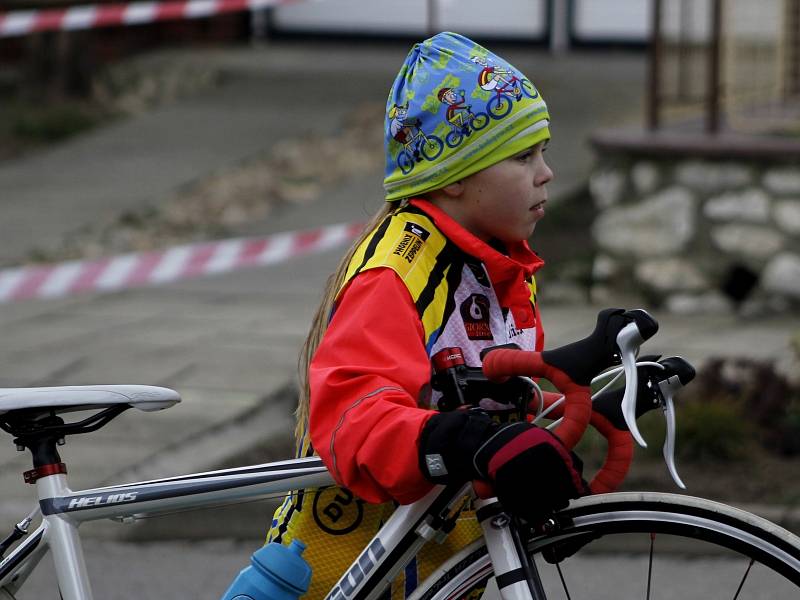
{"points": [[63, 510], [389, 551]]}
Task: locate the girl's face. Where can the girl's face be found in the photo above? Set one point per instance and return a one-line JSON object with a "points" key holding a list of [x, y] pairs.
{"points": [[506, 200]]}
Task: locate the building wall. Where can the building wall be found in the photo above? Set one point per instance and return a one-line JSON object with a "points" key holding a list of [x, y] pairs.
{"points": [[501, 18], [698, 234], [587, 21], [611, 20]]}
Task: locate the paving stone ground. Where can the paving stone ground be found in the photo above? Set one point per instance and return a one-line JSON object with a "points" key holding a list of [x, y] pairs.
{"points": [[229, 344]]}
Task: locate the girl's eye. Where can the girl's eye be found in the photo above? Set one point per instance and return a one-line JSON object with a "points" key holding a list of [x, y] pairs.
{"points": [[524, 156]]}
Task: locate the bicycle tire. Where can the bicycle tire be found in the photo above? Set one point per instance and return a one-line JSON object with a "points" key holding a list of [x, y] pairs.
{"points": [[405, 161], [529, 89], [499, 106], [479, 121], [702, 525], [432, 147], [453, 139]]}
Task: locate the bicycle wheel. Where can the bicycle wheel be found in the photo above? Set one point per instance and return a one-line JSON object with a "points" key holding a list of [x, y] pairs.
{"points": [[528, 89], [432, 147], [499, 106], [479, 121], [405, 161], [642, 545], [453, 138]]}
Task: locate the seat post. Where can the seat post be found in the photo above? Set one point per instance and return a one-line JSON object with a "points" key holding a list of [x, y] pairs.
{"points": [[43, 446], [49, 475]]}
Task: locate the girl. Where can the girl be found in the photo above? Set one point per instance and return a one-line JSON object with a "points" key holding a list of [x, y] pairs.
{"points": [[445, 264]]}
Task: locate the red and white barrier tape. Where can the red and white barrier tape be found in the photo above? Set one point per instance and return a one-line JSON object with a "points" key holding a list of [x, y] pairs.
{"points": [[23, 22], [180, 262]]}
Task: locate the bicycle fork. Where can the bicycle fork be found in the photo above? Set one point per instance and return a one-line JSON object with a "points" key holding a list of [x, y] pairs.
{"points": [[515, 572]]}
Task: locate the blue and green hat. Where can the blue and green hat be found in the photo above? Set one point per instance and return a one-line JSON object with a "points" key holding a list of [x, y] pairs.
{"points": [[454, 109]]}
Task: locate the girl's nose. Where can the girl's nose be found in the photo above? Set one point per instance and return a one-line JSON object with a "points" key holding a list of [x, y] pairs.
{"points": [[544, 174]]}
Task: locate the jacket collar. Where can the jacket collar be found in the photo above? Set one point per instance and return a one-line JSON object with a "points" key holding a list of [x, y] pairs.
{"points": [[518, 258], [508, 272]]}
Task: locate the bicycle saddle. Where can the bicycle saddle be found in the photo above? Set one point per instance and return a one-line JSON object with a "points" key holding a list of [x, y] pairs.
{"points": [[147, 398]]}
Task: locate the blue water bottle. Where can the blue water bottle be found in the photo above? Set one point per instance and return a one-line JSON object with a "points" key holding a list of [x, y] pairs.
{"points": [[276, 572]]}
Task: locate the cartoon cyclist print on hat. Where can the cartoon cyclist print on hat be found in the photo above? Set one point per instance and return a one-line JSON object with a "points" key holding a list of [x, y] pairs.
{"points": [[457, 112], [416, 144], [503, 82], [402, 127], [459, 116], [492, 77], [448, 106]]}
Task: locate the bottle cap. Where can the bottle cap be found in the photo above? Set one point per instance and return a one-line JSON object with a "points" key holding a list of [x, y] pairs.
{"points": [[285, 565]]}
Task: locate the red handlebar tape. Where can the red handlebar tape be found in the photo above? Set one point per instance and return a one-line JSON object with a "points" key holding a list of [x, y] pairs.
{"points": [[500, 364], [503, 363]]}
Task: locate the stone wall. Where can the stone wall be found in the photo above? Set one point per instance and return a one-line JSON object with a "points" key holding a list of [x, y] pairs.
{"points": [[698, 234]]}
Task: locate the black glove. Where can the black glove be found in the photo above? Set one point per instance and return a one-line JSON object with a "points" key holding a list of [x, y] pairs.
{"points": [[531, 471]]}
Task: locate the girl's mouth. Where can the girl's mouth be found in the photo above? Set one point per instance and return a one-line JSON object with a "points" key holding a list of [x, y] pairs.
{"points": [[539, 206]]}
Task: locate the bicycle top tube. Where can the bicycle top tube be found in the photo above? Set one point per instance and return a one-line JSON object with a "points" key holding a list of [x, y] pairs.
{"points": [[140, 499]]}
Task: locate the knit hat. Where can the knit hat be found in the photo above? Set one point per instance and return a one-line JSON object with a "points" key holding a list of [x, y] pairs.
{"points": [[454, 109]]}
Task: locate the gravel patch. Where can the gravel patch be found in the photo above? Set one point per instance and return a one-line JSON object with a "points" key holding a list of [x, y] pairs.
{"points": [[295, 171]]}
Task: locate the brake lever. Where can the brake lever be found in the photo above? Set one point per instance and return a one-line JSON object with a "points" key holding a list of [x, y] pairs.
{"points": [[682, 373], [642, 327], [628, 341], [668, 388]]}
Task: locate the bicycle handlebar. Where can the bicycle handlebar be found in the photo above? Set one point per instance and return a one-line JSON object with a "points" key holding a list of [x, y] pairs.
{"points": [[664, 379], [619, 453], [618, 334], [500, 364]]}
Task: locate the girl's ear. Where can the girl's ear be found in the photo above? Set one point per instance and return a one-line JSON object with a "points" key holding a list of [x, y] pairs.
{"points": [[454, 190]]}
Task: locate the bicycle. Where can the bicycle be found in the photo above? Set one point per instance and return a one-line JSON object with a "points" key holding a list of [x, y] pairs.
{"points": [[510, 561], [500, 104], [422, 146], [474, 122]]}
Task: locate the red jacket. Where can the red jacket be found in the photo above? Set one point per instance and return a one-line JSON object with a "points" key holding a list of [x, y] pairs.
{"points": [[372, 367]]}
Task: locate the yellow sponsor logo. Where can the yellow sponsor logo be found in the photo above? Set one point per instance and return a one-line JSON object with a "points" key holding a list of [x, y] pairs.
{"points": [[337, 511], [410, 243], [408, 247]]}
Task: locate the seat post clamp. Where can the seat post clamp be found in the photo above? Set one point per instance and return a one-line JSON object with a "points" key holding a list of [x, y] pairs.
{"points": [[34, 475]]}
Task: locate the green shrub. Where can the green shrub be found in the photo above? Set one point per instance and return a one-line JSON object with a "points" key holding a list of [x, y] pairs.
{"points": [[52, 124], [764, 398], [653, 429], [712, 431], [788, 430], [735, 407]]}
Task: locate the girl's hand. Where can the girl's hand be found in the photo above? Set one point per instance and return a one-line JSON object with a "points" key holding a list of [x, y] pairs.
{"points": [[531, 471]]}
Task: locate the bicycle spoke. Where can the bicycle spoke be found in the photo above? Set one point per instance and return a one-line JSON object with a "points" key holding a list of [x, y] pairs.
{"points": [[563, 583], [650, 564], [612, 537], [744, 578]]}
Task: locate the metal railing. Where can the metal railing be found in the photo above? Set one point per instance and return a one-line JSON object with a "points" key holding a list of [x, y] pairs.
{"points": [[725, 64]]}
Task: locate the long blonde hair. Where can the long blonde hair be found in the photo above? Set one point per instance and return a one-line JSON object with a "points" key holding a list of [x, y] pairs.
{"points": [[320, 321]]}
